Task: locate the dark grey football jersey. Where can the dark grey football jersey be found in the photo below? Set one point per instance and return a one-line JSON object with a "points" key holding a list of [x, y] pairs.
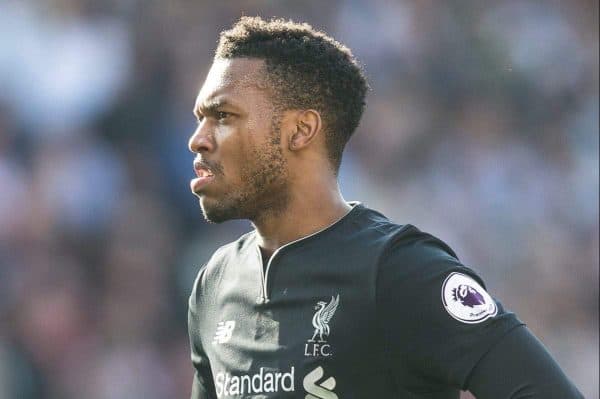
{"points": [[362, 309]]}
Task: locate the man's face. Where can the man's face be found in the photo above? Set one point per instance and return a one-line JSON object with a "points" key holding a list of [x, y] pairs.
{"points": [[240, 166]]}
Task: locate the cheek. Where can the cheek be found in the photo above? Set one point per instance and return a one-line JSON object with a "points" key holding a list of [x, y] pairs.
{"points": [[242, 144], [234, 149], [260, 120], [253, 134]]}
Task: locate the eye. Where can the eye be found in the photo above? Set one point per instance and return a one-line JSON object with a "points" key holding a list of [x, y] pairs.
{"points": [[222, 115], [199, 118]]}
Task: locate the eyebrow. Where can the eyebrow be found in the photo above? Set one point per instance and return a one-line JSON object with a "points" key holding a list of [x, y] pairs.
{"points": [[210, 107]]}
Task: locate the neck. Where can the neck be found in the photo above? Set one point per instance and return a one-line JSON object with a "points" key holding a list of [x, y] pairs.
{"points": [[307, 212]]}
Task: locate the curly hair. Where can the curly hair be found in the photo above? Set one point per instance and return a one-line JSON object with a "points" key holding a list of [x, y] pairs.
{"points": [[306, 69]]}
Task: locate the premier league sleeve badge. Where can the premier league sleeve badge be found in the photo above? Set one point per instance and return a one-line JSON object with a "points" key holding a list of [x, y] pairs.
{"points": [[466, 300]]}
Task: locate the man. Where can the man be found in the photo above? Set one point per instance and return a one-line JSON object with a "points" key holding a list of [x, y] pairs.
{"points": [[327, 299]]}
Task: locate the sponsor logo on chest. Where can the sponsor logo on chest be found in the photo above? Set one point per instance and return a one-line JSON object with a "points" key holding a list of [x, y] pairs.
{"points": [[262, 382], [316, 389], [316, 384]]}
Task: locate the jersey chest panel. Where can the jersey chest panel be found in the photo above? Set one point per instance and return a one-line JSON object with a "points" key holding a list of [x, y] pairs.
{"points": [[317, 333]]}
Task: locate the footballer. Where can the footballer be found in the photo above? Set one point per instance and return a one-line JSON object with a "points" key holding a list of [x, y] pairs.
{"points": [[325, 298]]}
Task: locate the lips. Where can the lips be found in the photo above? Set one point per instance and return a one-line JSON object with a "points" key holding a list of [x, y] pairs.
{"points": [[204, 177], [203, 172]]}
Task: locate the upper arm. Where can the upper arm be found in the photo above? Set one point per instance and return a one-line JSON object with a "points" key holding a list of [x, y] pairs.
{"points": [[435, 314], [520, 367]]}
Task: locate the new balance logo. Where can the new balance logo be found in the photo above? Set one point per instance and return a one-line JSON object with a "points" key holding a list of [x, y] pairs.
{"points": [[323, 390], [224, 331]]}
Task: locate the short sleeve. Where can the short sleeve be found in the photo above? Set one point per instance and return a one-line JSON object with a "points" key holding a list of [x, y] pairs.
{"points": [[202, 384], [435, 313]]}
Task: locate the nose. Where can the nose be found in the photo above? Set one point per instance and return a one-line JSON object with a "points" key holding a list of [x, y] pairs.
{"points": [[202, 140]]}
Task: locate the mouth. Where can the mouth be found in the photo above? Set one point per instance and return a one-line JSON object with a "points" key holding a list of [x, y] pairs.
{"points": [[204, 176], [202, 171]]}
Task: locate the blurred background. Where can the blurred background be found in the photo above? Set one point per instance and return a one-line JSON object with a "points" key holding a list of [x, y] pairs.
{"points": [[481, 128]]}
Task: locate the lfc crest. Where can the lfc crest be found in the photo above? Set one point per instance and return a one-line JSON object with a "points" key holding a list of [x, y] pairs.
{"points": [[317, 345]]}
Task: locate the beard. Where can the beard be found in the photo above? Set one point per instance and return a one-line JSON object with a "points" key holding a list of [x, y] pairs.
{"points": [[264, 190]]}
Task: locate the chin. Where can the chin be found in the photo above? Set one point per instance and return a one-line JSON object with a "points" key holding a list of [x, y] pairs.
{"points": [[215, 212]]}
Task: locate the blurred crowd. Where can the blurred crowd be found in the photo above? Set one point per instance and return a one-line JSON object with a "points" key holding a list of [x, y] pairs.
{"points": [[481, 128]]}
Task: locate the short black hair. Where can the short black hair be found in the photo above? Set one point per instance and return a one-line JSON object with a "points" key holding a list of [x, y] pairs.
{"points": [[306, 69]]}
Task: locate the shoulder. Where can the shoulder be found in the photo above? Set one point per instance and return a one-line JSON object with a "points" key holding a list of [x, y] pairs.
{"points": [[370, 229], [436, 313], [419, 269], [417, 264], [409, 250], [211, 272], [400, 244], [228, 252]]}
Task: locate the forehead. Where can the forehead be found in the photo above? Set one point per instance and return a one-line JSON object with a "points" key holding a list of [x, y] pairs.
{"points": [[232, 79]]}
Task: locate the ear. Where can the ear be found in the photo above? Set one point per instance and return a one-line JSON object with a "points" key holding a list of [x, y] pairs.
{"points": [[308, 126]]}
